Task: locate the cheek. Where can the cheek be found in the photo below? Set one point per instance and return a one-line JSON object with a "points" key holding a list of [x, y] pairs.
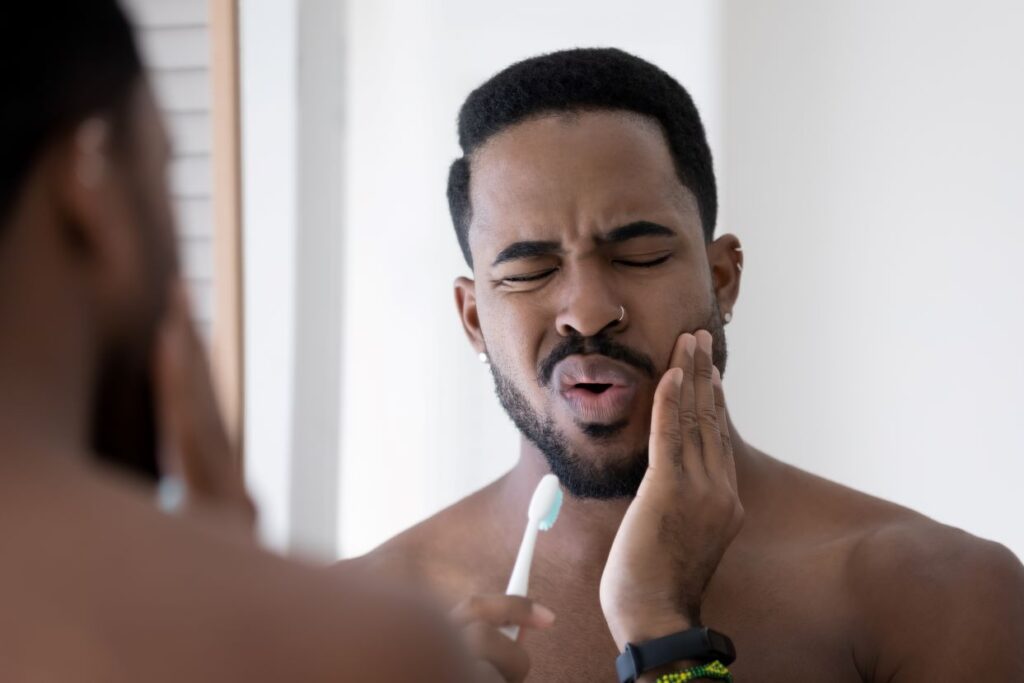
{"points": [[663, 313], [513, 332]]}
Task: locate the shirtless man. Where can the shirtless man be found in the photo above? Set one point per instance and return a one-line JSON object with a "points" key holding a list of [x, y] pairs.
{"points": [[96, 585], [585, 205]]}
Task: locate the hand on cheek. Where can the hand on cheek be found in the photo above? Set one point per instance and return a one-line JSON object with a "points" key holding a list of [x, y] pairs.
{"points": [[687, 510]]}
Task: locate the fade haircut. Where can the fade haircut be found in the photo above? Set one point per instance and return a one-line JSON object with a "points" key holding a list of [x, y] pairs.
{"points": [[576, 81]]}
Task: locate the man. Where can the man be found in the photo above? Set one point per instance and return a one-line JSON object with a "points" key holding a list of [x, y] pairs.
{"points": [[95, 583], [585, 204]]}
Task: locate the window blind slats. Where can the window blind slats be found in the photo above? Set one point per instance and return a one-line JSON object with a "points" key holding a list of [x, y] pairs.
{"points": [[167, 13], [175, 41]]}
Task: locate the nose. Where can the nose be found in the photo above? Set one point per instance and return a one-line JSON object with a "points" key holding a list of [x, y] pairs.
{"points": [[590, 306]]}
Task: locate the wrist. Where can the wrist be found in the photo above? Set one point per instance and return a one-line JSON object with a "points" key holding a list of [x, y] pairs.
{"points": [[685, 655], [641, 627]]}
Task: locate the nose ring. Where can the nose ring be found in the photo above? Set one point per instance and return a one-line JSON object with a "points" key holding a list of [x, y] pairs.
{"points": [[622, 314]]}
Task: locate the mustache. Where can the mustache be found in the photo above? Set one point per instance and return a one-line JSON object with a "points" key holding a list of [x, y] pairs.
{"points": [[601, 345]]}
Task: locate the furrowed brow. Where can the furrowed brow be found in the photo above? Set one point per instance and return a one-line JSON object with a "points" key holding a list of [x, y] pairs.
{"points": [[525, 250], [638, 229]]}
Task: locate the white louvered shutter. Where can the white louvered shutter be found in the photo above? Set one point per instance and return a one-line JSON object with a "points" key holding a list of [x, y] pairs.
{"points": [[175, 40]]}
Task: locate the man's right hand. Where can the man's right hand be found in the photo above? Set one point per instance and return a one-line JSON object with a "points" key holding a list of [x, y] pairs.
{"points": [[499, 659]]}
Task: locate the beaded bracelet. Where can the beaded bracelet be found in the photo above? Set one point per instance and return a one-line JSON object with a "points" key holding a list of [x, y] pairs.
{"points": [[715, 671]]}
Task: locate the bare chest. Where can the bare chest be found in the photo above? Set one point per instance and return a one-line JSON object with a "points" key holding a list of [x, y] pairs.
{"points": [[786, 614]]}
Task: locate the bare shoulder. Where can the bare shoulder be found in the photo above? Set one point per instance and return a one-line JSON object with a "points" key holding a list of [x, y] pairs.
{"points": [[898, 559], [933, 600], [920, 549], [920, 600], [131, 594]]}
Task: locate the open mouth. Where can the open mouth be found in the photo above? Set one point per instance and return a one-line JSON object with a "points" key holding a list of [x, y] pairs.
{"points": [[596, 389], [593, 388]]}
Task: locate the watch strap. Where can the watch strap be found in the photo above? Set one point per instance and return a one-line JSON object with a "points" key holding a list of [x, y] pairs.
{"points": [[699, 644]]}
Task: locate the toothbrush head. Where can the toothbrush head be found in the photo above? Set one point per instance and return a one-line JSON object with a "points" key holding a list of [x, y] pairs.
{"points": [[546, 502], [549, 521]]}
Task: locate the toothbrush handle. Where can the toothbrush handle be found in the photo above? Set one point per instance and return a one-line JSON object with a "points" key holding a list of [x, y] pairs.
{"points": [[519, 582]]}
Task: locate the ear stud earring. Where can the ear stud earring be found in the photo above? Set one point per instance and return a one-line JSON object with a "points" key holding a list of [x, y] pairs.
{"points": [[727, 317], [483, 358]]}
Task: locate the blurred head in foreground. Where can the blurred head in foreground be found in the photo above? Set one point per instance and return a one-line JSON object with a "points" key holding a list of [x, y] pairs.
{"points": [[86, 236]]}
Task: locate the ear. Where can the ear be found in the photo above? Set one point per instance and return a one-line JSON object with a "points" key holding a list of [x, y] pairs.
{"points": [[465, 301], [87, 196], [725, 257]]}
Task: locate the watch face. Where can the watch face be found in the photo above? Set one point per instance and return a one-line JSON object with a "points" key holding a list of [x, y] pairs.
{"points": [[628, 664], [722, 644]]}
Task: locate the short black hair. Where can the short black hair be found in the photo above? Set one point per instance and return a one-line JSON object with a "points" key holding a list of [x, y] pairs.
{"points": [[61, 62], [583, 79]]}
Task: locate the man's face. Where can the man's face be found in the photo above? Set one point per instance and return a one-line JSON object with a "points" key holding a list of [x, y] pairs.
{"points": [[124, 424], [575, 219]]}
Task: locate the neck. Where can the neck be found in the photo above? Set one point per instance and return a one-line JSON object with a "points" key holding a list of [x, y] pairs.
{"points": [[587, 527]]}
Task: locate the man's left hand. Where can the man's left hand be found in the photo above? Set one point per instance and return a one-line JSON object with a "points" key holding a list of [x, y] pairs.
{"points": [[686, 511]]}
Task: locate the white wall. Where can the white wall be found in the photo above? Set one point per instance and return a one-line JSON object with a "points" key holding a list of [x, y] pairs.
{"points": [[292, 62], [419, 411], [268, 30], [874, 163]]}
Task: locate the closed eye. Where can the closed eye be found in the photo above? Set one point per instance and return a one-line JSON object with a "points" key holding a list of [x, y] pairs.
{"points": [[530, 277], [645, 264]]}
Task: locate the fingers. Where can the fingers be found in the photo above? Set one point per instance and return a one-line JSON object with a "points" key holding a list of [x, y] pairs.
{"points": [[702, 425], [707, 415], [198, 444], [678, 359], [170, 362], [666, 437], [487, 643], [728, 463], [482, 615], [503, 610], [693, 461]]}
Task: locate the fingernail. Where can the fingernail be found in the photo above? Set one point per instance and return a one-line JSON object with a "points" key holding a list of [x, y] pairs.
{"points": [[716, 376], [704, 340], [543, 614], [691, 343]]}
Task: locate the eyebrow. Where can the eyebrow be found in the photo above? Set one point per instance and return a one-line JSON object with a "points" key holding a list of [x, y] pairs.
{"points": [[638, 229], [525, 250], [533, 249]]}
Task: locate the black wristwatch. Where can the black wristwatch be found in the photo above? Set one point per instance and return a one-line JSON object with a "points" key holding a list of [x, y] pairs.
{"points": [[700, 644]]}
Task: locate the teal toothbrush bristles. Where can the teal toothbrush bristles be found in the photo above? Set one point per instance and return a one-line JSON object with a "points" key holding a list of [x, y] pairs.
{"points": [[549, 521]]}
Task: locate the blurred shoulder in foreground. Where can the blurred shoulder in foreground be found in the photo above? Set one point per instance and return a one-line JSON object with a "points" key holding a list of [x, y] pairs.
{"points": [[96, 584]]}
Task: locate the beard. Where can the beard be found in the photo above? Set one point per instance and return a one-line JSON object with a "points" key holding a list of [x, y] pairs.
{"points": [[617, 475], [124, 425]]}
